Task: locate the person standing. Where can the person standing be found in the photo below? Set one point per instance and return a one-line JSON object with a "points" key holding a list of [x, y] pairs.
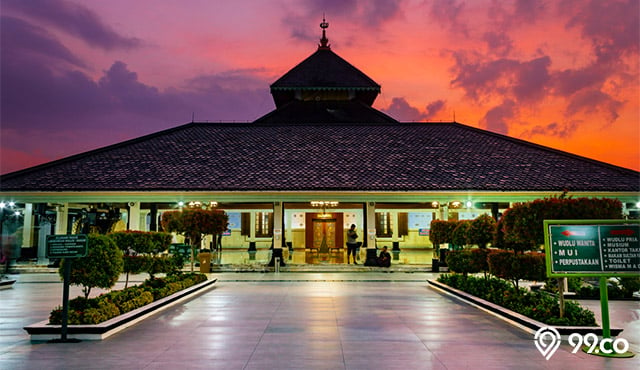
{"points": [[352, 243]]}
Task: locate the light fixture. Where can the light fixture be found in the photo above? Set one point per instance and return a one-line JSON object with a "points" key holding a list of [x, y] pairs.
{"points": [[202, 205], [3, 204], [324, 204], [638, 205], [180, 204], [456, 204], [469, 204], [435, 204]]}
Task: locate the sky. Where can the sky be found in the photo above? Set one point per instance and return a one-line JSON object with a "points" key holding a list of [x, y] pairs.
{"points": [[79, 75]]}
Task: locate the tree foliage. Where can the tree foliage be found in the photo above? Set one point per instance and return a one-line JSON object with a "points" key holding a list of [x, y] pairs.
{"points": [[100, 268], [515, 267], [441, 232], [523, 223], [460, 234], [195, 224], [482, 231]]}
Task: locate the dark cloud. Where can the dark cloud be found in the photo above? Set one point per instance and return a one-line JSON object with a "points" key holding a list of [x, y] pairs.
{"points": [[434, 108], [569, 81], [47, 98], [22, 42], [368, 14], [561, 130], [593, 102], [449, 14], [524, 81], [498, 43], [73, 19], [401, 110], [611, 26], [497, 118]]}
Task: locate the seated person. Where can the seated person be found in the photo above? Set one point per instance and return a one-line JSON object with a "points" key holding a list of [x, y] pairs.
{"points": [[384, 259]]}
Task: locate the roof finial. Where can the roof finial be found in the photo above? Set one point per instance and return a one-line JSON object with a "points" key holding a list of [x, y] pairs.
{"points": [[324, 42]]}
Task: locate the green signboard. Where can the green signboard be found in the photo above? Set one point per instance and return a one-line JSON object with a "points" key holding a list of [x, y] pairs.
{"points": [[66, 246], [592, 248]]}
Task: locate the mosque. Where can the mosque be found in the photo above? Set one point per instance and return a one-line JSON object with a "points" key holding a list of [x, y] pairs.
{"points": [[299, 176]]}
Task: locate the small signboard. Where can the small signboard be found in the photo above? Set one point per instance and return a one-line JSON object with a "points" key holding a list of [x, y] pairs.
{"points": [[423, 232], [592, 248], [66, 246]]}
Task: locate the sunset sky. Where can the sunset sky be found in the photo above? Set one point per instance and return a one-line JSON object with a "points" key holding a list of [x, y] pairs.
{"points": [[79, 75]]}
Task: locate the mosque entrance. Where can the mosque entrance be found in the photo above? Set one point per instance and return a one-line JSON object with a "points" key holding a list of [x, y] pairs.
{"points": [[324, 239], [324, 235]]}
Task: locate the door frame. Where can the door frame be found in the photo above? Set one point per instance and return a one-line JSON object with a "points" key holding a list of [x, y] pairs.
{"points": [[308, 231]]}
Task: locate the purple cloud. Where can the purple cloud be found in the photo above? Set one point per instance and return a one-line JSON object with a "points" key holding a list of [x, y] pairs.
{"points": [[498, 43], [552, 129], [594, 101], [497, 118], [448, 13], [75, 20], [368, 14], [401, 110], [611, 26], [22, 41]]}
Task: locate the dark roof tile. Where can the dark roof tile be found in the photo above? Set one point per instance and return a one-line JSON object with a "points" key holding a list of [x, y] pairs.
{"points": [[386, 157]]}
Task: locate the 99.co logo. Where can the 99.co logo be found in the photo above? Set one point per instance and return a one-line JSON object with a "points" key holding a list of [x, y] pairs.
{"points": [[547, 340]]}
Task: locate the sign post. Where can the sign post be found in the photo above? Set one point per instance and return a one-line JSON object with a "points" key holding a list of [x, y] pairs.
{"points": [[593, 248], [67, 247]]}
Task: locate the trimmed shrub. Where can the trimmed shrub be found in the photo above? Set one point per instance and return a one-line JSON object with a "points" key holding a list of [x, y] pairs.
{"points": [[522, 225], [100, 268], [482, 231], [106, 306], [539, 306], [441, 232], [460, 234], [515, 267]]}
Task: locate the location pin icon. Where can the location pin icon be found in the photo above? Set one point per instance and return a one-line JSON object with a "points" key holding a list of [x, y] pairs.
{"points": [[547, 340]]}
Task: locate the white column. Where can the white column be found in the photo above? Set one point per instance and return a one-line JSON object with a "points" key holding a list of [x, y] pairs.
{"points": [[62, 218], [371, 225], [278, 231], [27, 226], [396, 233], [252, 233], [134, 216]]}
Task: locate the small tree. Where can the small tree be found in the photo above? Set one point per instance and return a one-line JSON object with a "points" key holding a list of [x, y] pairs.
{"points": [[515, 267], [100, 268], [139, 248], [441, 232], [460, 234], [482, 231], [195, 224], [523, 224]]}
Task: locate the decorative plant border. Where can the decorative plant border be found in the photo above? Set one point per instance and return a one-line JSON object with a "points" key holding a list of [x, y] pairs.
{"points": [[43, 331], [518, 320]]}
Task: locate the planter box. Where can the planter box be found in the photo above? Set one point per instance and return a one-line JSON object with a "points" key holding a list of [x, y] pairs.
{"points": [[43, 331], [525, 323], [6, 284]]}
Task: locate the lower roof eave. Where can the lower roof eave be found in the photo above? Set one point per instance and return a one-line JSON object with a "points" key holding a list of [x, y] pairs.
{"points": [[164, 196]]}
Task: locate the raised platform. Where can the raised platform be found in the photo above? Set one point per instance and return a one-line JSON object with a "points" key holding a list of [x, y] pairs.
{"points": [[43, 331]]}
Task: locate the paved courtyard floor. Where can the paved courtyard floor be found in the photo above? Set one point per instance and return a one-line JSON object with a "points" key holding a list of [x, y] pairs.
{"points": [[371, 320]]}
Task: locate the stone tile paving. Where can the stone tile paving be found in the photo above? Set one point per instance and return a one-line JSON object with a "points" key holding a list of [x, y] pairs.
{"points": [[293, 321]]}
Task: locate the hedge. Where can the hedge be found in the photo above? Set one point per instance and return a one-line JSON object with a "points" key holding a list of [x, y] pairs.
{"points": [[539, 306], [109, 305]]}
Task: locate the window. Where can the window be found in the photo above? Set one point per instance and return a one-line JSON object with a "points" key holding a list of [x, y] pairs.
{"points": [[384, 224], [384, 228], [264, 224]]}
